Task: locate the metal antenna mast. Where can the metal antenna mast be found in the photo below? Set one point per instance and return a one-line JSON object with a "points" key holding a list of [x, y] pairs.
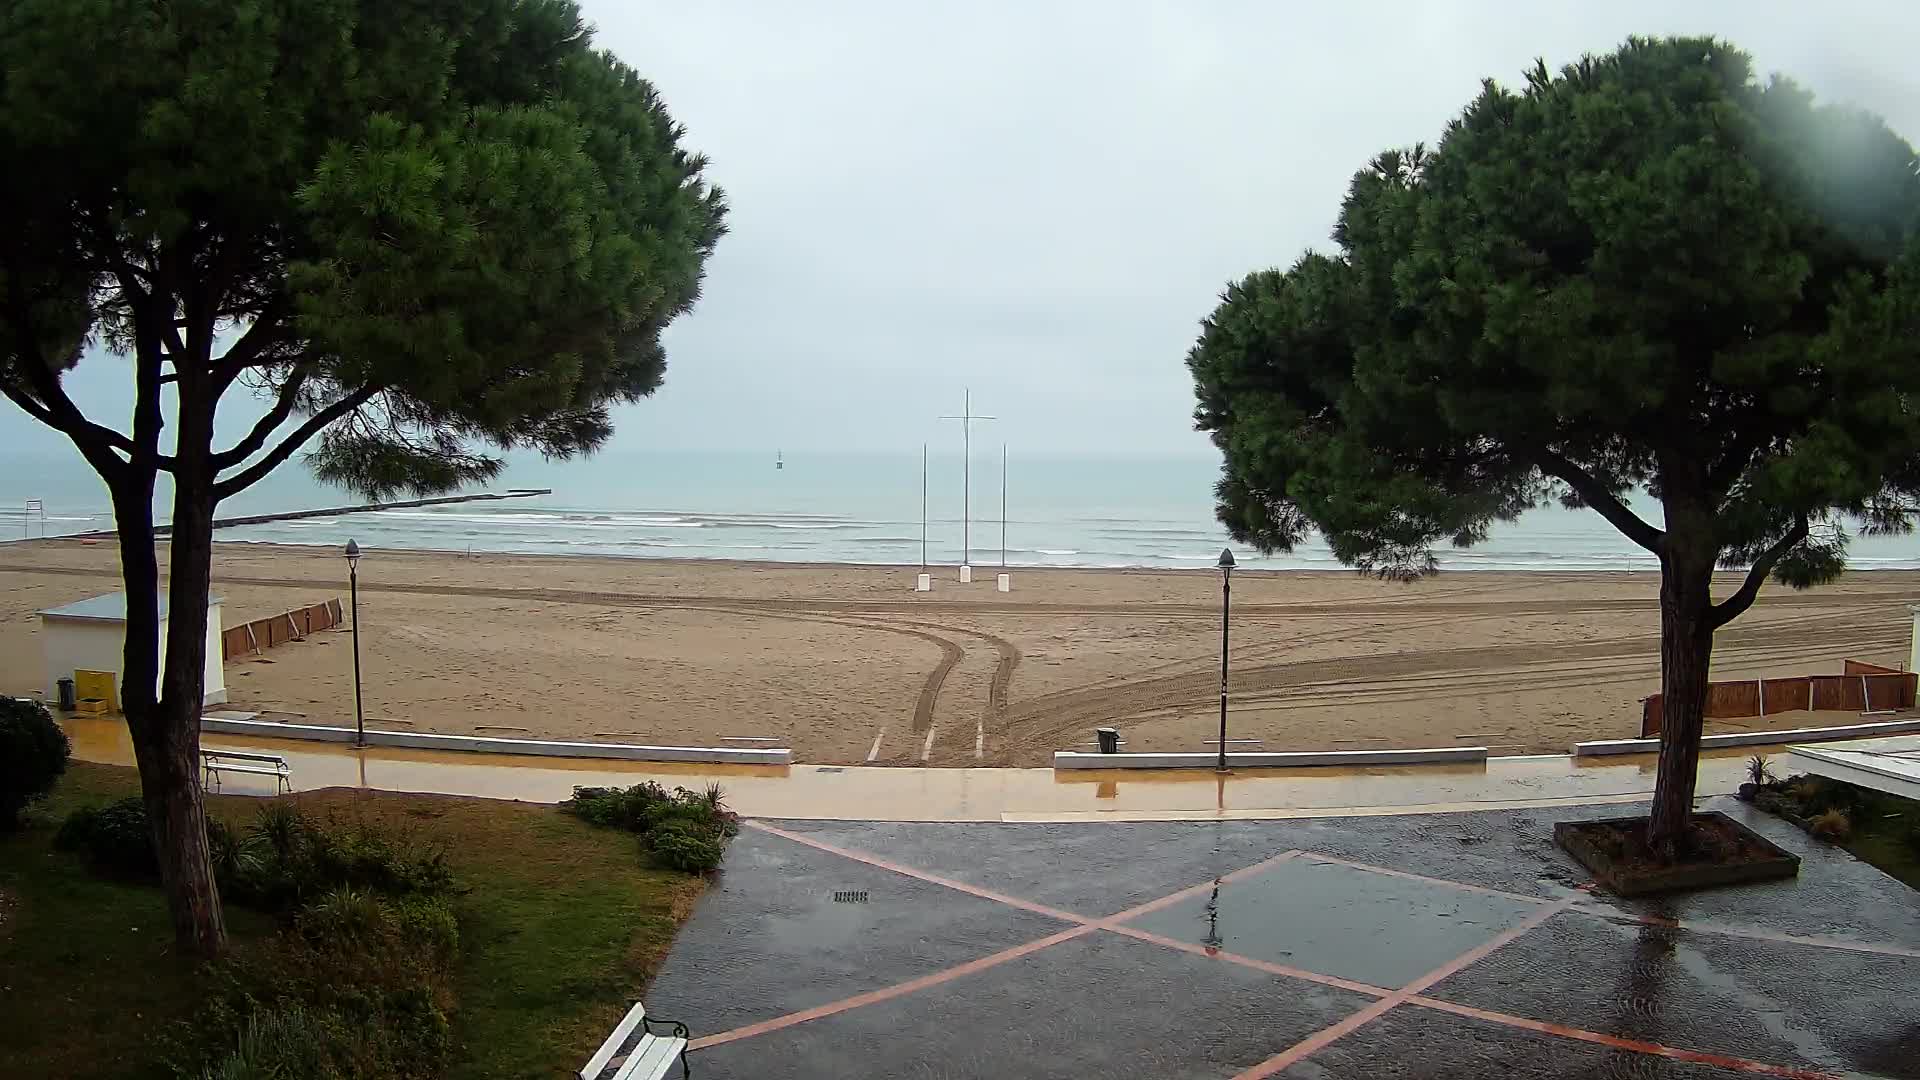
{"points": [[967, 417]]}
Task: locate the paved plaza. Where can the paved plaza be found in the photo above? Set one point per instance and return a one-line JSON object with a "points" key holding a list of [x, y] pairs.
{"points": [[1453, 945]]}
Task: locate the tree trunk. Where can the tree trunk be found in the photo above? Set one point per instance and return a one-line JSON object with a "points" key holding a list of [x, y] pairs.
{"points": [[1686, 654], [167, 748], [170, 762]]}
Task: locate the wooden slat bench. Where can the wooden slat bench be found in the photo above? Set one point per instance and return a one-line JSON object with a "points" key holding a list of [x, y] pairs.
{"points": [[650, 1057], [215, 762]]}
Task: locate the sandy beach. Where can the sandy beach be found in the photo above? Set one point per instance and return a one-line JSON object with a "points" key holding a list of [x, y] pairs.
{"points": [[848, 664]]}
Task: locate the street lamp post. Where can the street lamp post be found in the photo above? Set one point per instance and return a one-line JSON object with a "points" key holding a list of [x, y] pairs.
{"points": [[353, 590], [1226, 602]]}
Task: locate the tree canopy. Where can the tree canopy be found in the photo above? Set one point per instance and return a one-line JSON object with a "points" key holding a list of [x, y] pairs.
{"points": [[1649, 271], [412, 225], [418, 228]]}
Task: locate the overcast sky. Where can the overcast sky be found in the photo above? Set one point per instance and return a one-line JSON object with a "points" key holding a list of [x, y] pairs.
{"points": [[1041, 200]]}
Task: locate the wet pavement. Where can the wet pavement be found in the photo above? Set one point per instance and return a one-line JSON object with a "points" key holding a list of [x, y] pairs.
{"points": [[1455, 945]]}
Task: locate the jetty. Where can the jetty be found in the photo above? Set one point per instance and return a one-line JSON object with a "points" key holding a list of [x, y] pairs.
{"points": [[363, 508]]}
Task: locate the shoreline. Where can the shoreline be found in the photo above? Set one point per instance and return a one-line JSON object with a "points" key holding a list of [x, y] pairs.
{"points": [[982, 571]]}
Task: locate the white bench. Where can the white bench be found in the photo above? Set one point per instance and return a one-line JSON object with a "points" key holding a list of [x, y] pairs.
{"points": [[215, 762], [651, 1057]]}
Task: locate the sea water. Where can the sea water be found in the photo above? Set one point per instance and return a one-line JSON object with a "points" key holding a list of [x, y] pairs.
{"points": [[836, 508]]}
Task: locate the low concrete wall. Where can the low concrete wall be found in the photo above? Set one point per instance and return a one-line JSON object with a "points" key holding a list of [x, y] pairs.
{"points": [[1753, 738], [1256, 759], [482, 744]]}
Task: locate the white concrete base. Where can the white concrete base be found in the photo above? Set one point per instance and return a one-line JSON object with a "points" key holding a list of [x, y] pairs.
{"points": [[475, 743], [1753, 738], [923, 583], [966, 575], [1881, 765], [1260, 759], [1004, 582]]}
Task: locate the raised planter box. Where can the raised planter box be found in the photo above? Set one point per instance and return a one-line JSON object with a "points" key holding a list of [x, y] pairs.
{"points": [[417, 740], [1262, 759], [1760, 860]]}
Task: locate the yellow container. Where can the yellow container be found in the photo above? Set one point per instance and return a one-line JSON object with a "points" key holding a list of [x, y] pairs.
{"points": [[98, 685]]}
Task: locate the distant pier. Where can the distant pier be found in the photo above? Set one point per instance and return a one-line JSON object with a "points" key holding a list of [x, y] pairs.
{"points": [[364, 508]]}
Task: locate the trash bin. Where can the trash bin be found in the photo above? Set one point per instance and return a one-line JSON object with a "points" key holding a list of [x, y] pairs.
{"points": [[1109, 739], [67, 699]]}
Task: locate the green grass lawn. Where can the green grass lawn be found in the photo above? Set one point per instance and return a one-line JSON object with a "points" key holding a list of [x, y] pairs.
{"points": [[560, 925]]}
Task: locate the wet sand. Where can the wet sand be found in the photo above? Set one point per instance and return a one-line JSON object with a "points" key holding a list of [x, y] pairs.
{"points": [[848, 664]]}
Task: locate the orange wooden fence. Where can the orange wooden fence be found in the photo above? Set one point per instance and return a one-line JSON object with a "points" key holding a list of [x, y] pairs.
{"points": [[1862, 688], [263, 634]]}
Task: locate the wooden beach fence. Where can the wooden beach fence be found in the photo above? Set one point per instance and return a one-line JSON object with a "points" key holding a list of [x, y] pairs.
{"points": [[262, 634], [1860, 688]]}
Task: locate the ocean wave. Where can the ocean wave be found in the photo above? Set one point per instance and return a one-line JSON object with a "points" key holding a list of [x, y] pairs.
{"points": [[528, 518]]}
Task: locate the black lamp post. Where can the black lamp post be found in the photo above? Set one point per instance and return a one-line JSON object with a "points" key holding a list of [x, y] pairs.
{"points": [[1226, 601], [353, 589]]}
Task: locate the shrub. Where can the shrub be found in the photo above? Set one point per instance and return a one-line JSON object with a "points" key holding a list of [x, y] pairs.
{"points": [[1759, 770], [679, 829], [278, 864], [429, 925], [351, 919], [344, 917], [617, 808], [235, 857], [355, 989], [686, 846], [287, 1043], [287, 859], [1833, 825], [33, 754], [114, 838], [357, 854]]}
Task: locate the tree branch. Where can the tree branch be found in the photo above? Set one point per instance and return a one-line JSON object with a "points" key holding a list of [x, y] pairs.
{"points": [[1595, 494], [264, 428], [1729, 609], [28, 405], [262, 334], [244, 479], [54, 408]]}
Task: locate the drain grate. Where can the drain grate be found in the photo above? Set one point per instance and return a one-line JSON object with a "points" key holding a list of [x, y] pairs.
{"points": [[852, 896]]}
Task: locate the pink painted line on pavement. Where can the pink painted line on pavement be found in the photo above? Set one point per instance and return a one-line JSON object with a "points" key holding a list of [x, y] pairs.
{"points": [[1327, 1036], [1411, 994], [908, 871], [873, 997], [1755, 933], [1616, 1042], [1270, 968], [1460, 885]]}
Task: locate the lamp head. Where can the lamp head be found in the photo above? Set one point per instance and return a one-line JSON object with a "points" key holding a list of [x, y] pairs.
{"points": [[1226, 559], [353, 554]]}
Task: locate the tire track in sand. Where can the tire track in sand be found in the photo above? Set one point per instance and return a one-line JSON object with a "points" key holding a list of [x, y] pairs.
{"points": [[1043, 720], [951, 653]]}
